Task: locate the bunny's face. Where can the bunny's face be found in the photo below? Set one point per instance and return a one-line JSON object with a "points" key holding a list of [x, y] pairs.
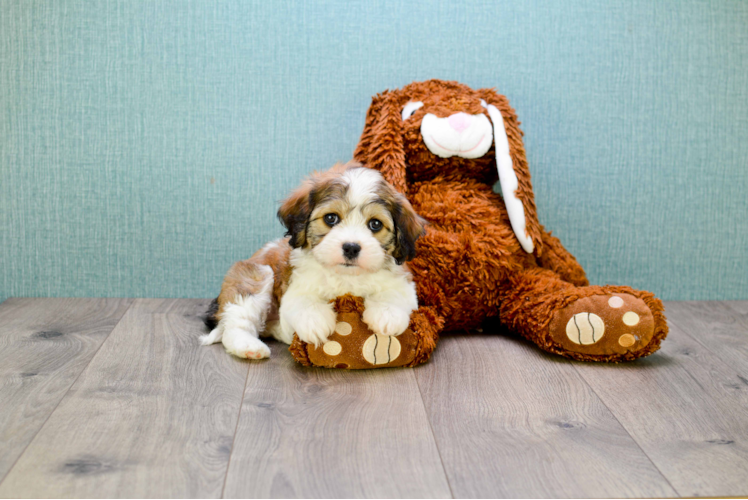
{"points": [[446, 131]]}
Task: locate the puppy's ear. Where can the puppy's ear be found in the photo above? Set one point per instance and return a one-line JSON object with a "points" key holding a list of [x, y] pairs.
{"points": [[409, 226], [295, 211]]}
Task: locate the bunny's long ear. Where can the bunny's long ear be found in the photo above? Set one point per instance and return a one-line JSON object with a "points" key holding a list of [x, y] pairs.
{"points": [[381, 143], [514, 173]]}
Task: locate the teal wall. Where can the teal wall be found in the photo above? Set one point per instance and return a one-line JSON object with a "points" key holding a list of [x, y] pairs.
{"points": [[144, 146]]}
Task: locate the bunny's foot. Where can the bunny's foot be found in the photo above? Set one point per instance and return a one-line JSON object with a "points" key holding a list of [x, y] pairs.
{"points": [[616, 326], [587, 323]]}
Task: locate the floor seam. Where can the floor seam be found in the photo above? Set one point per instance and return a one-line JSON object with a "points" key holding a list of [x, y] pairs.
{"points": [[667, 480], [236, 429], [67, 391], [433, 436]]}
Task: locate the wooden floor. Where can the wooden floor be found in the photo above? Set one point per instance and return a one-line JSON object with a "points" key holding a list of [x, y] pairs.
{"points": [[114, 398]]}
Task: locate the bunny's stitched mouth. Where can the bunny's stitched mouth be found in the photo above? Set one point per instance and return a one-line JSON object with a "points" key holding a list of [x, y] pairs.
{"points": [[458, 151]]}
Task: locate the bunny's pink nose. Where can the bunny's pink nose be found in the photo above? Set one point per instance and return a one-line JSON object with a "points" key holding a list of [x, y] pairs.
{"points": [[459, 121]]}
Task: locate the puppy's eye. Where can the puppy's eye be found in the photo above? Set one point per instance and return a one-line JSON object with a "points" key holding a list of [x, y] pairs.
{"points": [[331, 219], [375, 225], [410, 109]]}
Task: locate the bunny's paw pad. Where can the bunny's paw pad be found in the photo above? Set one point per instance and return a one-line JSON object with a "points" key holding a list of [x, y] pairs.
{"points": [[603, 325]]}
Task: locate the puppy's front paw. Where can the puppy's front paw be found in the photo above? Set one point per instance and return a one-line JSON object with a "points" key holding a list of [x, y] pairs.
{"points": [[386, 319], [315, 323]]}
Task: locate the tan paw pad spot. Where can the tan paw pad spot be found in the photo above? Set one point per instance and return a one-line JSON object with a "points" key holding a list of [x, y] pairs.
{"points": [[343, 328], [631, 318], [381, 349], [615, 302], [585, 328], [626, 340], [332, 348]]}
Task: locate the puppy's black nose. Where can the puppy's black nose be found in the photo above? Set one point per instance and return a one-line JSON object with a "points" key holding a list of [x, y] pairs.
{"points": [[351, 250]]}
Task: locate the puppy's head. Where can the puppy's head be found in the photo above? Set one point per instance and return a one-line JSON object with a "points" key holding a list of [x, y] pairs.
{"points": [[350, 219]]}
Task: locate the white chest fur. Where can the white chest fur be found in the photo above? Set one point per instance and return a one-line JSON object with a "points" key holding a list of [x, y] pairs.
{"points": [[389, 297]]}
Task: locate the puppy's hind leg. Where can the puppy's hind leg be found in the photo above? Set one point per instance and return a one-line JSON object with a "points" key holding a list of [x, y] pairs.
{"points": [[243, 320], [210, 318], [244, 302], [215, 336]]}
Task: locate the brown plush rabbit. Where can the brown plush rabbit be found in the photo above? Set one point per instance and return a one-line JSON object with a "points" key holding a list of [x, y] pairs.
{"points": [[444, 145]]}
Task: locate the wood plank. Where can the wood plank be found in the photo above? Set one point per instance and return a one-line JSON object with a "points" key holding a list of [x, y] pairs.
{"points": [[512, 421], [314, 432], [686, 409], [153, 415], [44, 345], [739, 306], [717, 326]]}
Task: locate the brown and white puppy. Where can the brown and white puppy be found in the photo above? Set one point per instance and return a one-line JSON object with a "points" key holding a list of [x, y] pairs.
{"points": [[349, 231]]}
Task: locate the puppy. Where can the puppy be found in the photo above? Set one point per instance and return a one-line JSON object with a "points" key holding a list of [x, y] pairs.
{"points": [[349, 231]]}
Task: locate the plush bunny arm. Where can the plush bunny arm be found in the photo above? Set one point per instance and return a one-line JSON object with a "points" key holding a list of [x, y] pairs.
{"points": [[559, 260]]}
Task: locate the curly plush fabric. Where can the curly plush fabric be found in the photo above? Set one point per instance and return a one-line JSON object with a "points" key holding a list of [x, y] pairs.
{"points": [[470, 265]]}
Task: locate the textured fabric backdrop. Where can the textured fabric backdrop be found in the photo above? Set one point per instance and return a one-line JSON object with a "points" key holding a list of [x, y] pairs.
{"points": [[144, 146]]}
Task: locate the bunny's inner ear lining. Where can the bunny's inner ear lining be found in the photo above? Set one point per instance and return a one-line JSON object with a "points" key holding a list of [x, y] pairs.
{"points": [[508, 179]]}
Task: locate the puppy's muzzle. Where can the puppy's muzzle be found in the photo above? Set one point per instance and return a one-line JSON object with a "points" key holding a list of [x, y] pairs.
{"points": [[351, 250]]}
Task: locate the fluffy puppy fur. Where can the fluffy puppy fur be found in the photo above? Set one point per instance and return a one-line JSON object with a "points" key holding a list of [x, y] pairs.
{"points": [[349, 231]]}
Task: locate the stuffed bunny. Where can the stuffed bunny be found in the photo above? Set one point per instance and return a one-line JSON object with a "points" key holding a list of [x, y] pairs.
{"points": [[484, 255]]}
